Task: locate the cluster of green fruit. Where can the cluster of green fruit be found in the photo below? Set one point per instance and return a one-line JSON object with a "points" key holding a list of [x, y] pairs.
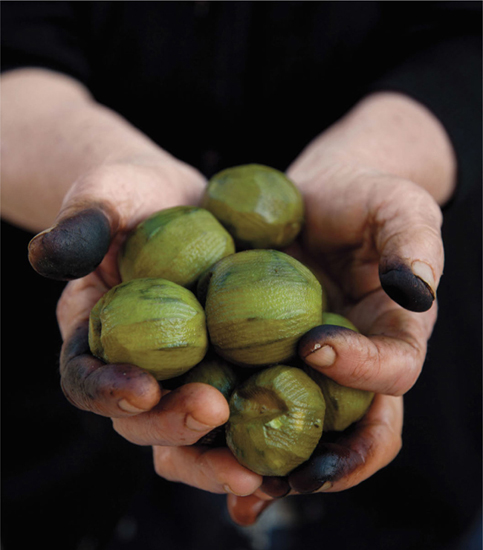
{"points": [[207, 296]]}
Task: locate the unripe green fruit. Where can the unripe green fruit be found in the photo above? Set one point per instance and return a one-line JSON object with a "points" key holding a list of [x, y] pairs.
{"points": [[177, 244], [258, 305], [152, 323], [329, 318], [276, 420], [258, 205], [344, 405], [214, 371]]}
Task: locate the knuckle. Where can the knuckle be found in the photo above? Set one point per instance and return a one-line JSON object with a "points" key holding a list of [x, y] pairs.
{"points": [[163, 464], [208, 473], [367, 366]]}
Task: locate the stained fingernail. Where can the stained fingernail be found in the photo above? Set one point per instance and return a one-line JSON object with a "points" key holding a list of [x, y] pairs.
{"points": [[322, 356], [423, 271], [73, 247], [275, 487], [192, 424], [329, 463], [405, 287], [124, 405]]}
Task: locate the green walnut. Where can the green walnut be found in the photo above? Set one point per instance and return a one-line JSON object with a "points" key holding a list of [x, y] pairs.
{"points": [[344, 405], [276, 420], [214, 371], [258, 205], [330, 318], [177, 244], [152, 323], [258, 305]]}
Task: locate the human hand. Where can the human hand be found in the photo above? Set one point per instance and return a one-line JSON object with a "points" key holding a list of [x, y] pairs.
{"points": [[373, 237], [99, 210]]}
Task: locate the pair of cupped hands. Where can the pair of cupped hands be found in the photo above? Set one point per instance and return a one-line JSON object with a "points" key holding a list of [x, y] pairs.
{"points": [[372, 236]]}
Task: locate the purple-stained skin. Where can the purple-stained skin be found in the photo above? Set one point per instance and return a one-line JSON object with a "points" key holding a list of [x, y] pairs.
{"points": [[405, 288], [90, 384], [310, 341], [329, 462], [276, 487], [73, 248]]}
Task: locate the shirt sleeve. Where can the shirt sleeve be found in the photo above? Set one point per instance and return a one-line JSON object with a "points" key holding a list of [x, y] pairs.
{"points": [[44, 35], [443, 71]]}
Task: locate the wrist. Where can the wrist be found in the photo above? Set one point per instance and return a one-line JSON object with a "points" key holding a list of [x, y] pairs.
{"points": [[386, 133], [60, 140]]}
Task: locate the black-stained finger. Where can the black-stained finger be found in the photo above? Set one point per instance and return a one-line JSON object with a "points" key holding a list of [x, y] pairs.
{"points": [[72, 248], [113, 390], [329, 462], [275, 487], [311, 340], [404, 287]]}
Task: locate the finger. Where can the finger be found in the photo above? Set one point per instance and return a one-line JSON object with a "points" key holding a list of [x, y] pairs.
{"points": [[112, 390], [182, 417], [388, 359], [410, 245], [109, 200], [275, 486], [245, 510], [370, 446], [73, 247], [213, 470], [388, 227]]}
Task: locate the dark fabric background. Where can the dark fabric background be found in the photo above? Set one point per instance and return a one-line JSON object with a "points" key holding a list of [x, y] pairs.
{"points": [[218, 84]]}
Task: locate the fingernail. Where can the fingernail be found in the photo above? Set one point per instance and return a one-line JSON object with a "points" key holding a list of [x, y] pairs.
{"points": [[127, 407], [403, 285], [275, 487], [423, 271], [322, 356], [192, 424], [73, 247], [330, 462], [228, 489]]}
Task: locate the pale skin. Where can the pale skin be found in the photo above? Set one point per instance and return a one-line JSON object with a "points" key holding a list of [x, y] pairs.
{"points": [[373, 185]]}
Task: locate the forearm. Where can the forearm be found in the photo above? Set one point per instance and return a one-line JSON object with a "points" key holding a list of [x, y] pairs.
{"points": [[53, 132], [388, 133]]}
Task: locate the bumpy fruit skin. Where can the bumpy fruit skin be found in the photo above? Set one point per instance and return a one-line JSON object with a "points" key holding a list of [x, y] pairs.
{"points": [[216, 372], [258, 205], [152, 323], [258, 305], [177, 244], [329, 318], [276, 420], [344, 405]]}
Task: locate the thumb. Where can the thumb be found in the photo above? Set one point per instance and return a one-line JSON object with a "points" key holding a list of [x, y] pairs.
{"points": [[377, 230], [410, 245], [74, 246], [108, 200]]}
